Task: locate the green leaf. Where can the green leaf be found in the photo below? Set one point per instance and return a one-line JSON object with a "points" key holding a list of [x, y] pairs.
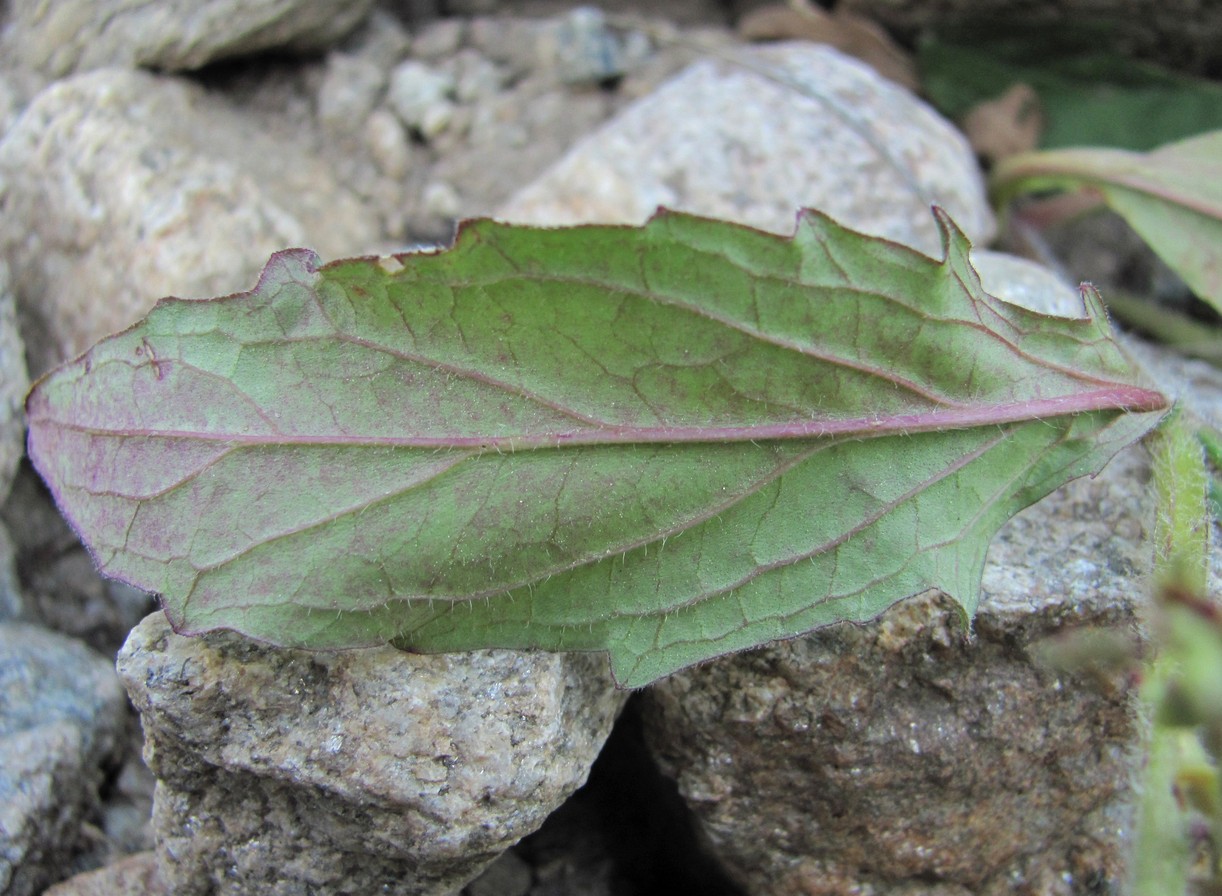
{"points": [[668, 442], [1091, 95], [1172, 197]]}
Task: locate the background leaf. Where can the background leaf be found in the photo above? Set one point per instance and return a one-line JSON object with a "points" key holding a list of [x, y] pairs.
{"points": [[1091, 95], [666, 442], [1172, 197]]}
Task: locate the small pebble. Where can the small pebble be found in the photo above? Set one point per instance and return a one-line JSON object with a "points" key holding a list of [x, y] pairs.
{"points": [[421, 96], [388, 144]]}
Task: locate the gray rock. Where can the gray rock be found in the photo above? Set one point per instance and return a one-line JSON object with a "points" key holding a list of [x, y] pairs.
{"points": [[76, 35], [62, 719], [12, 603], [14, 382], [753, 139], [118, 188], [282, 772], [900, 757]]}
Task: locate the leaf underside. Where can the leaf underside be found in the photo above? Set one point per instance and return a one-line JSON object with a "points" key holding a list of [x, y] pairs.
{"points": [[667, 443]]}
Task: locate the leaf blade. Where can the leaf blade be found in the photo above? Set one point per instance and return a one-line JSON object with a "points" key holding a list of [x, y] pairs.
{"points": [[456, 450]]}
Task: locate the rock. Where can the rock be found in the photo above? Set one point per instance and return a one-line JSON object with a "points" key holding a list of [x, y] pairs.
{"points": [[281, 771], [12, 603], [507, 41], [476, 79], [73, 36], [900, 757], [62, 719], [422, 97], [14, 382], [118, 188], [388, 145], [439, 39], [752, 140], [507, 876], [135, 875], [1020, 281], [581, 48], [513, 138], [350, 90]]}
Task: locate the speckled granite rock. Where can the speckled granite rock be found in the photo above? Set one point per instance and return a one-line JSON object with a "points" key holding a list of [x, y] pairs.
{"points": [[118, 188], [368, 771], [784, 126], [62, 719], [75, 35]]}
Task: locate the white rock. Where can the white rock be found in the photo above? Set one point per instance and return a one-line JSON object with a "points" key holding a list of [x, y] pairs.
{"points": [[118, 188], [476, 78], [350, 90], [439, 39], [1020, 281], [785, 126], [76, 35], [441, 200], [422, 97], [388, 144]]}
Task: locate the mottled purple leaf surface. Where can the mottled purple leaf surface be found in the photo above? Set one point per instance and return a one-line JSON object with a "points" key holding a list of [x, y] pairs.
{"points": [[667, 443]]}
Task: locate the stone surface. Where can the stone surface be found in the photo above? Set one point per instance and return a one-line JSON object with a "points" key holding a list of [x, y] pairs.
{"points": [[118, 188], [351, 88], [14, 382], [62, 719], [371, 771], [1023, 282], [12, 602], [754, 139], [76, 35], [422, 97], [135, 875]]}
